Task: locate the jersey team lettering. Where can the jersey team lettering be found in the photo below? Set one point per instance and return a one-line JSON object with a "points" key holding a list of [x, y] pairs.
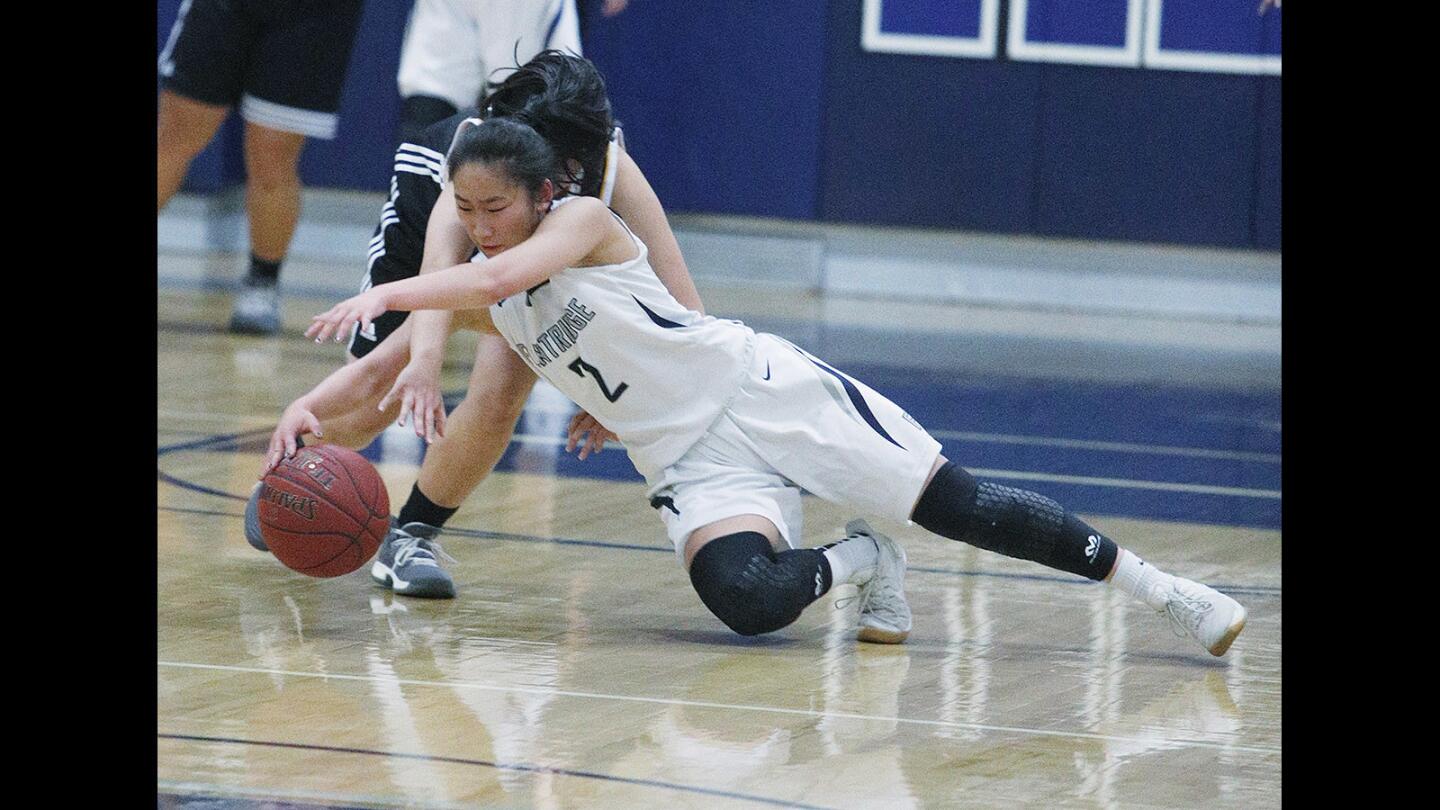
{"points": [[558, 337]]}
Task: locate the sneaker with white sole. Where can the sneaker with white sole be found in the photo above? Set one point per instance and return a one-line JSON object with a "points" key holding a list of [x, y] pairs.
{"points": [[257, 309], [1204, 614], [884, 614], [407, 564], [252, 519]]}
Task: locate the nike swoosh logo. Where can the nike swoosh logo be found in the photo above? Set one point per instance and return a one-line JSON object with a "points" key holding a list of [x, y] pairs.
{"points": [[767, 370]]}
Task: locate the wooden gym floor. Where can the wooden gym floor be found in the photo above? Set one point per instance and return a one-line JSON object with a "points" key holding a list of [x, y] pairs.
{"points": [[577, 668]]}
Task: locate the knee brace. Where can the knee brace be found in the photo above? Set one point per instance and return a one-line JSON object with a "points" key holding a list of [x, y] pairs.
{"points": [[1014, 522], [752, 589]]}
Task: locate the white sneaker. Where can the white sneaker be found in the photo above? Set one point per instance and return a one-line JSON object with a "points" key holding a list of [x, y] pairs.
{"points": [[257, 309], [884, 613], [1204, 614]]}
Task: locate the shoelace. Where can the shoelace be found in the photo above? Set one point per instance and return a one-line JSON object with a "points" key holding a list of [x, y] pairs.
{"points": [[1186, 612], [415, 550], [878, 586]]}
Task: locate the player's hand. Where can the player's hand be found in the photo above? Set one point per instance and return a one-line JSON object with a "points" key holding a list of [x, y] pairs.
{"points": [[581, 424], [613, 7], [417, 389], [295, 421], [341, 318]]}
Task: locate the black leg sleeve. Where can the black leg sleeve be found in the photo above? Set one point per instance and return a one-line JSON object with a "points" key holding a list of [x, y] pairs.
{"points": [[1014, 522]]}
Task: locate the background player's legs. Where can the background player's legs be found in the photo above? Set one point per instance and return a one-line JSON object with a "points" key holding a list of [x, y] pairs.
{"points": [[272, 189], [1029, 526], [272, 201], [478, 431], [183, 128]]}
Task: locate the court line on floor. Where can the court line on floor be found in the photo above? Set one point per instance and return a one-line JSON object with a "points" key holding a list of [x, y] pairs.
{"points": [[482, 534], [506, 766], [1084, 735], [1014, 475], [1117, 447], [1126, 483], [292, 799]]}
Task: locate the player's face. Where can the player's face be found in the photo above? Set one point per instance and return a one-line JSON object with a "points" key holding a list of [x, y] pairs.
{"points": [[497, 212]]}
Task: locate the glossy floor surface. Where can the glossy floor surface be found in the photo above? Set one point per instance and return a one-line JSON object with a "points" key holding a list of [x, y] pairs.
{"points": [[577, 668]]}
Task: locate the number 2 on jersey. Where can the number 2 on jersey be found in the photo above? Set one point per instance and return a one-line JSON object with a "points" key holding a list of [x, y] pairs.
{"points": [[579, 366]]}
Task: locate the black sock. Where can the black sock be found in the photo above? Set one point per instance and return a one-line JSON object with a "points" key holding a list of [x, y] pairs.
{"points": [[420, 509], [262, 271]]}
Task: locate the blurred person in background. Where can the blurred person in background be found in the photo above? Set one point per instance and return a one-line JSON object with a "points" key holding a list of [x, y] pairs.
{"points": [[282, 62]]}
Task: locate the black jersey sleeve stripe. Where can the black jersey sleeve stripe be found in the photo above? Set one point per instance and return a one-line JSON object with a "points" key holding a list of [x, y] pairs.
{"points": [[659, 321]]}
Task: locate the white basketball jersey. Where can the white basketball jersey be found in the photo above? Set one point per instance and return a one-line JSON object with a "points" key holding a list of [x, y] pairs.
{"points": [[615, 341]]}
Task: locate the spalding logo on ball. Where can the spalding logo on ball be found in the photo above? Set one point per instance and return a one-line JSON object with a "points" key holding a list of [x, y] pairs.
{"points": [[324, 511]]}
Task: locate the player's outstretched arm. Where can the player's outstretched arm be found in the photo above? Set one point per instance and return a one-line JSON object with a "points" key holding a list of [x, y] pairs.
{"points": [[564, 238], [417, 389], [352, 386]]}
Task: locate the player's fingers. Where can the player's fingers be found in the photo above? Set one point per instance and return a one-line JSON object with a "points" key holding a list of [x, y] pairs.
{"points": [[440, 419], [313, 425], [422, 422], [389, 396]]}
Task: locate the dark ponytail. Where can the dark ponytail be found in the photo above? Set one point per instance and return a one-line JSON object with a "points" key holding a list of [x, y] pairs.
{"points": [[562, 97]]}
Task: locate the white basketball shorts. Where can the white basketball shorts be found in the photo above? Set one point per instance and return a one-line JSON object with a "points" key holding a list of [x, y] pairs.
{"points": [[796, 422]]}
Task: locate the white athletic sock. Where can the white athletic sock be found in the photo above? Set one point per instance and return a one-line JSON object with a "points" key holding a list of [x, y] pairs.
{"points": [[852, 560], [1142, 580]]}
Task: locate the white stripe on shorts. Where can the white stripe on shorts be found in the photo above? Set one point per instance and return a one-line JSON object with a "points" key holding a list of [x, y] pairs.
{"points": [[289, 119], [167, 60]]}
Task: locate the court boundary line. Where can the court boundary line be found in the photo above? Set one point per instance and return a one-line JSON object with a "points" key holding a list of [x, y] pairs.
{"points": [[484, 534], [1106, 446], [509, 766], [1085, 735]]}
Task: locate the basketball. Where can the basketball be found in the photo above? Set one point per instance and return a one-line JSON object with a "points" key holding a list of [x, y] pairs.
{"points": [[324, 511]]}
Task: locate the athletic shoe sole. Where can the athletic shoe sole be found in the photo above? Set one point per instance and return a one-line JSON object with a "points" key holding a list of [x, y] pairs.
{"points": [[253, 535], [381, 575], [875, 635], [1219, 647]]}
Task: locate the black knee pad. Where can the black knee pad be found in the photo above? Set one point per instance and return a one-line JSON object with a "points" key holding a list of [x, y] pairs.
{"points": [[752, 589], [1013, 522]]}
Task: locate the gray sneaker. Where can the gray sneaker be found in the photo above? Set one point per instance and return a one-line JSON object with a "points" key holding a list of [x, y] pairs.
{"points": [[257, 309], [252, 519], [406, 562], [884, 614]]}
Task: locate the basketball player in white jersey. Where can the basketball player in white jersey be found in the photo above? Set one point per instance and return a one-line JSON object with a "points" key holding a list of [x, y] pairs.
{"points": [[564, 97], [727, 424]]}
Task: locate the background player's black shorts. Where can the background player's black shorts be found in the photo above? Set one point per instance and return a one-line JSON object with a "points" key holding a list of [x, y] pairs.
{"points": [[360, 345], [282, 61]]}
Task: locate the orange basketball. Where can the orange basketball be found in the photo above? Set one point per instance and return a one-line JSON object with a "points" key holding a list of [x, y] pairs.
{"points": [[324, 511]]}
